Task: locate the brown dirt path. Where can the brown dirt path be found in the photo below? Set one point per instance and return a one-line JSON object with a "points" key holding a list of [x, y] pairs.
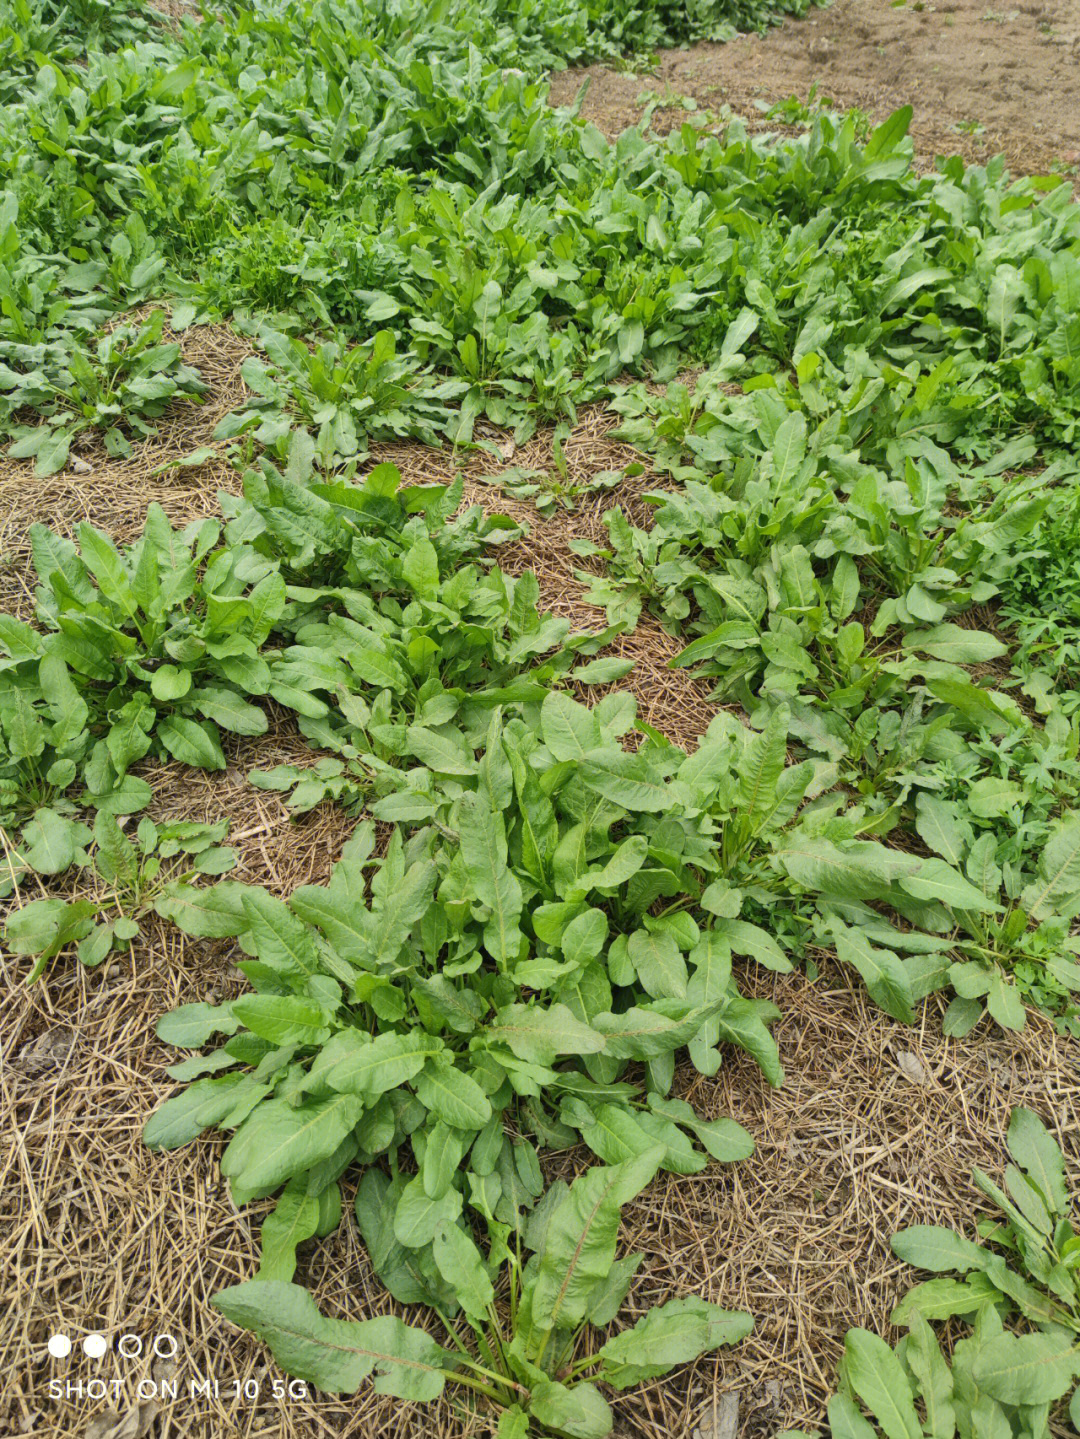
{"points": [[984, 76]]}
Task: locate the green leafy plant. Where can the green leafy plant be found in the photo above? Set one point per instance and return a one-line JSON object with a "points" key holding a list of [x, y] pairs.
{"points": [[871, 481], [1027, 1267], [163, 638], [119, 387], [127, 876], [531, 1358], [995, 1380], [916, 1391], [347, 396]]}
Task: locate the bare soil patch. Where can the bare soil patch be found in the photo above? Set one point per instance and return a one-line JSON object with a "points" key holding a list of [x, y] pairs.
{"points": [[984, 76]]}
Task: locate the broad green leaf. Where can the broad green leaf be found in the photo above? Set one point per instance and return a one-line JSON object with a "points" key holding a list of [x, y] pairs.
{"points": [[372, 1068], [335, 1355], [538, 1035], [418, 1216], [991, 797], [282, 1018], [170, 683], [1027, 1368], [579, 1246], [606, 1298], [191, 742], [278, 937], [227, 709], [602, 671], [513, 1424], [578, 1410], [461, 1264], [881, 970], [399, 910], [197, 1107], [955, 644], [293, 1219], [484, 854], [929, 1246], [924, 1358], [1057, 890], [51, 843], [673, 1333], [939, 825], [279, 1140], [1034, 1148], [191, 1025], [762, 764], [452, 1095], [646, 1032], [860, 870], [659, 964], [742, 1022], [710, 978], [936, 880], [945, 1298], [570, 730], [754, 942], [213, 913], [626, 780], [846, 1421], [420, 567], [443, 1150], [438, 752], [44, 926]]}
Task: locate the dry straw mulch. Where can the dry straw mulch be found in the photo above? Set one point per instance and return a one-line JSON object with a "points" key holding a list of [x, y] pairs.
{"points": [[877, 1126]]}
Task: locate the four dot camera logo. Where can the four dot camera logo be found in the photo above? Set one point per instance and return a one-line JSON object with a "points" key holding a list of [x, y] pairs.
{"points": [[128, 1346]]}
